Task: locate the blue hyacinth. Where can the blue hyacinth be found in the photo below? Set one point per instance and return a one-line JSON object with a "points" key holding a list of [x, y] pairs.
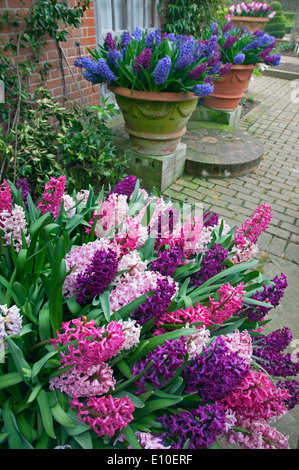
{"points": [[104, 71], [162, 70], [113, 57], [203, 89], [137, 34], [239, 59]]}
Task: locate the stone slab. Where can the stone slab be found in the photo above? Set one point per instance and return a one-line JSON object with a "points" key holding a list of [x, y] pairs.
{"points": [[220, 151]]}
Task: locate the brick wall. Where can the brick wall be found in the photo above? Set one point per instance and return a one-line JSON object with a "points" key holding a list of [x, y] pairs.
{"points": [[59, 81]]}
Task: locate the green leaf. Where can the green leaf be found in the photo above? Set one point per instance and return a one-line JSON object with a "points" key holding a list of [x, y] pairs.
{"points": [[137, 402], [84, 440], [156, 404], [62, 417], [46, 412], [21, 364], [105, 302], [14, 438], [131, 438], [39, 365], [7, 380]]}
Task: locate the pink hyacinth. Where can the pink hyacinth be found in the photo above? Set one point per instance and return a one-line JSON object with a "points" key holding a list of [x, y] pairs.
{"points": [[105, 415], [5, 197], [52, 196], [95, 344], [197, 314], [253, 227], [230, 301], [257, 398], [256, 434], [12, 224], [75, 382], [241, 343]]}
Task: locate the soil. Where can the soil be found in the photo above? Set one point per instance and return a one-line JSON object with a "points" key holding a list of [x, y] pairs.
{"points": [[248, 104]]}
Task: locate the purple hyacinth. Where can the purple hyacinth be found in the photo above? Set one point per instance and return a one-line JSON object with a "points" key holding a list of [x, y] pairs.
{"points": [[239, 59], [214, 59], [109, 42], [22, 183], [210, 219], [167, 358], [203, 89], [271, 294], [226, 68], [210, 48], [125, 187], [267, 51], [104, 71], [200, 427], [211, 264], [215, 70], [144, 60], [167, 261], [215, 373], [230, 41], [269, 353], [162, 70], [272, 60], [292, 386], [171, 37], [227, 27], [198, 71], [156, 305], [97, 276]]}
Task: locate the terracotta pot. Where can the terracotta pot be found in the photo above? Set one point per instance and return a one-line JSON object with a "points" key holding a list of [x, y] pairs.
{"points": [[252, 23], [155, 122], [230, 88]]}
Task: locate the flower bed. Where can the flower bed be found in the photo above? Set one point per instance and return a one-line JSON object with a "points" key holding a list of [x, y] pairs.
{"points": [[125, 324]]}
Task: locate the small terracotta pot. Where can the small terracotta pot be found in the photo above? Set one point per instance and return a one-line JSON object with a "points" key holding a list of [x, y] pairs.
{"points": [[252, 23], [229, 89], [154, 121]]}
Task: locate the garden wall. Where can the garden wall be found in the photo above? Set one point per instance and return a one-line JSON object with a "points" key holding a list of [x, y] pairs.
{"points": [[59, 80]]}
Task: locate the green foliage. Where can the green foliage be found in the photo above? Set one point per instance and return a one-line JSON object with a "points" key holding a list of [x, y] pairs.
{"points": [[45, 20], [276, 26], [188, 17], [53, 139]]}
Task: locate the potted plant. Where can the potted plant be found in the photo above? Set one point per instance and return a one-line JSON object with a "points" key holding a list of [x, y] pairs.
{"points": [[157, 80], [239, 51], [254, 15]]}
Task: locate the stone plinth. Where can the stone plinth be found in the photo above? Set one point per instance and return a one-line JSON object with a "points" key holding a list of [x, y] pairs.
{"points": [[154, 171], [204, 114]]}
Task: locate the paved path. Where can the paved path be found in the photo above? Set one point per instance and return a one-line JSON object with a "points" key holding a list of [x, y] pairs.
{"points": [[276, 122]]}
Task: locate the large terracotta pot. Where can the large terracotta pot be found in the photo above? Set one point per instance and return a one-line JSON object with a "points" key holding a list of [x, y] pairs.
{"points": [[252, 23], [230, 88], [154, 121]]}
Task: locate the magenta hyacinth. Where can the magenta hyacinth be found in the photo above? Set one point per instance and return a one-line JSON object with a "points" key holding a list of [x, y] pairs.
{"points": [[52, 196]]}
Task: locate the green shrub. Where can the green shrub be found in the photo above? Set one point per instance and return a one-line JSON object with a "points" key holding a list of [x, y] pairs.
{"points": [[277, 25], [54, 140]]}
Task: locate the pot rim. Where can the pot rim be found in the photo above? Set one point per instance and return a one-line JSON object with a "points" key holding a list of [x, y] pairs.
{"points": [[243, 67], [152, 95], [258, 19]]}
